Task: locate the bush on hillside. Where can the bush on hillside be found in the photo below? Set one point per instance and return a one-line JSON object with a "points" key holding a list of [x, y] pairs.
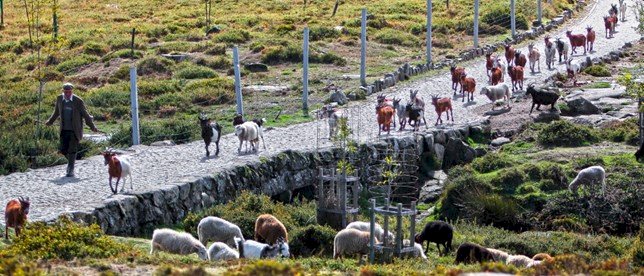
{"points": [[153, 64], [625, 131], [565, 134], [394, 37], [597, 71], [312, 240], [195, 72], [177, 130], [74, 63], [211, 91], [491, 162], [507, 180], [156, 88], [95, 48], [65, 240], [216, 63], [323, 32], [233, 36]]}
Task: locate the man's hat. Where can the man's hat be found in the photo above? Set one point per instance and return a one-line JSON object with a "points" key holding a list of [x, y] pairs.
{"points": [[68, 86]]}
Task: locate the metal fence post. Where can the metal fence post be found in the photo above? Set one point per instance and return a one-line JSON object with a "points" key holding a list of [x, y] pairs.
{"points": [[476, 23], [305, 77], [372, 231], [134, 103], [429, 32], [363, 49], [238, 92], [539, 11], [1, 13], [513, 17]]}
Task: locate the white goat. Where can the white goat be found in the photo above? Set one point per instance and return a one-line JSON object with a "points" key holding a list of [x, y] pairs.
{"points": [[177, 242], [589, 177], [534, 57], [550, 55], [499, 255], [521, 261], [366, 226], [572, 68], [497, 92], [333, 116], [219, 251], [418, 250], [622, 10], [218, 230], [248, 132], [257, 250]]}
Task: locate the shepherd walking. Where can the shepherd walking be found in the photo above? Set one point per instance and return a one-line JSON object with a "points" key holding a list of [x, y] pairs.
{"points": [[72, 111]]}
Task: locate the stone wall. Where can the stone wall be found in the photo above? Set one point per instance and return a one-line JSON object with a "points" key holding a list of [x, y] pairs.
{"points": [[132, 215]]}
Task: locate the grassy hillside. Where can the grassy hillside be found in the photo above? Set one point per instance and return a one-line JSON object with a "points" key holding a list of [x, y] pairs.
{"points": [[94, 37]]}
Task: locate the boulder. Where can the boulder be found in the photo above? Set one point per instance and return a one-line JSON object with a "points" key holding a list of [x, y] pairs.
{"points": [[256, 67], [582, 106], [500, 141], [457, 152], [165, 143], [430, 191], [547, 117], [440, 175], [338, 97], [439, 152]]}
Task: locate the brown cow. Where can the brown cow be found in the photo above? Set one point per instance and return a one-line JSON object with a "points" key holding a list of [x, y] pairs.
{"points": [[442, 105], [590, 38], [456, 77], [468, 84], [516, 74], [576, 40]]}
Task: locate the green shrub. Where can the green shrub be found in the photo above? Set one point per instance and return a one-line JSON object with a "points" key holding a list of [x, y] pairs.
{"points": [[638, 249], [73, 64], [14, 266], [95, 48], [156, 88], [499, 15], [393, 37], [597, 71], [216, 63], [323, 32], [554, 172], [217, 49], [123, 53], [109, 96], [279, 54], [265, 267], [195, 72], [566, 134], [313, 240], [491, 162], [328, 58], [174, 47], [153, 64], [178, 130], [509, 179], [233, 36], [211, 91], [624, 131], [66, 240], [245, 208]]}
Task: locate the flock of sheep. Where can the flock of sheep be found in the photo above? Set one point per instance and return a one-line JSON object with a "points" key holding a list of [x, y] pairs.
{"points": [[271, 241]]}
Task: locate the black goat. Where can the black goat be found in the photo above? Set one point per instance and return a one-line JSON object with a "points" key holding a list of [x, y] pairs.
{"points": [[210, 132], [470, 253], [639, 154], [438, 232], [541, 97], [414, 114]]}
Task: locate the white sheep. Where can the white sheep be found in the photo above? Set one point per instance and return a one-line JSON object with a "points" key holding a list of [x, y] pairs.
{"points": [[248, 132], [177, 242], [499, 255], [219, 251], [589, 177], [257, 250], [520, 261], [351, 242], [418, 249], [366, 226], [497, 92], [219, 230]]}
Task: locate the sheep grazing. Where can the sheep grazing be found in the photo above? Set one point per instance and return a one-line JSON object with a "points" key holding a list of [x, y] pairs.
{"points": [[456, 76], [438, 232], [256, 250], [562, 48], [509, 53], [219, 251], [468, 253], [366, 227], [351, 242], [15, 215], [576, 40], [119, 167], [248, 132], [269, 229], [534, 56], [468, 85], [520, 59], [210, 132], [497, 92], [418, 250], [590, 38], [541, 97], [516, 74], [521, 261], [589, 177], [542, 257], [442, 105], [177, 243], [499, 255], [218, 230]]}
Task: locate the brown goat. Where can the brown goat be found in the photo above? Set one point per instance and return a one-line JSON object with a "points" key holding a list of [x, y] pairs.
{"points": [[509, 53], [497, 75], [456, 77], [442, 105], [469, 85], [270, 230], [520, 59], [590, 38], [15, 215], [516, 74], [576, 40]]}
